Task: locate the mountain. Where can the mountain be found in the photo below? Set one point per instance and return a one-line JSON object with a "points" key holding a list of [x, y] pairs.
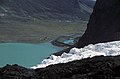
{"points": [[104, 23], [48, 9], [103, 26]]}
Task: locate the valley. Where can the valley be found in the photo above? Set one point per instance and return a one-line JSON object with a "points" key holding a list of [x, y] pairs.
{"points": [[38, 31]]}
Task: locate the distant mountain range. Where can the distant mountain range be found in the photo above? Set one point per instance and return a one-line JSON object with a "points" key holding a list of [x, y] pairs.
{"points": [[46, 9]]}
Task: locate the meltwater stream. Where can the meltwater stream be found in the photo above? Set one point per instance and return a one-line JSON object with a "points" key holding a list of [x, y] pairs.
{"points": [[25, 54]]}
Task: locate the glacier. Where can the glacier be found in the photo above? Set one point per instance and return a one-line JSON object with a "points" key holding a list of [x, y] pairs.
{"points": [[100, 49]]}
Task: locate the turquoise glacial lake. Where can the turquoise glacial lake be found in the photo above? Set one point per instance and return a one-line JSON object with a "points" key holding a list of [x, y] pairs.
{"points": [[25, 54]]}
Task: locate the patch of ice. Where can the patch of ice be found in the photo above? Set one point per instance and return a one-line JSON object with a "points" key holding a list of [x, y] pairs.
{"points": [[105, 49]]}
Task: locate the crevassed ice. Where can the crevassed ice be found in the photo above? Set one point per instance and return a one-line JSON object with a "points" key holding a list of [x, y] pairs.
{"points": [[105, 49]]}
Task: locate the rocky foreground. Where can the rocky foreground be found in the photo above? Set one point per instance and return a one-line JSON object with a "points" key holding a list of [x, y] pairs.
{"points": [[103, 26], [91, 68]]}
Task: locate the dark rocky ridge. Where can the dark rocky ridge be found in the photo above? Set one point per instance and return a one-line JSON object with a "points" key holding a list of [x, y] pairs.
{"points": [[92, 68], [48, 9], [104, 23], [103, 26]]}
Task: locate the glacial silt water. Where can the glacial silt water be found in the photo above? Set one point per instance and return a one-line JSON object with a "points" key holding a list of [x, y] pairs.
{"points": [[24, 54]]}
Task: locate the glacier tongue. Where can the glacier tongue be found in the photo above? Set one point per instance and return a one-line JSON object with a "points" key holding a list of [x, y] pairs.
{"points": [[105, 49]]}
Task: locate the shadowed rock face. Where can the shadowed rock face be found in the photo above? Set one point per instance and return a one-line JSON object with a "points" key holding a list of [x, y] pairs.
{"points": [[104, 23], [48, 9], [94, 68]]}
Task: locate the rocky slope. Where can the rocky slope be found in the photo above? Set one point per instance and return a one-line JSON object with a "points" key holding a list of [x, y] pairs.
{"points": [[42, 21], [104, 23], [48, 9], [94, 68]]}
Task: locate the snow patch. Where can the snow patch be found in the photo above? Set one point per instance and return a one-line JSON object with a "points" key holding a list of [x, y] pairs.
{"points": [[105, 49]]}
